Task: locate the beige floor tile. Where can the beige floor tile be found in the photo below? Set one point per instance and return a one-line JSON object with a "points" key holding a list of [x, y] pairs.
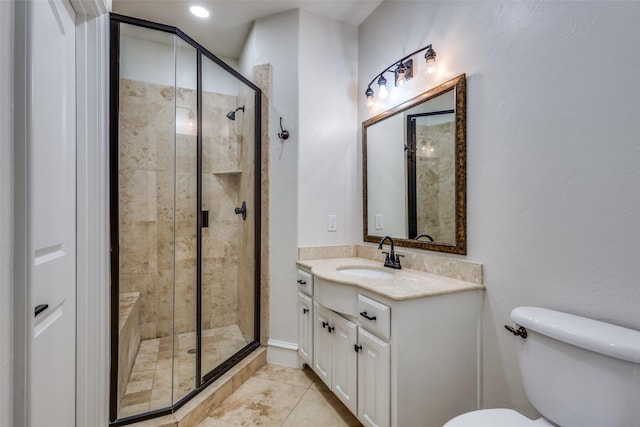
{"points": [[139, 408], [140, 382], [259, 402], [136, 398], [301, 378], [212, 422], [318, 385], [275, 396], [318, 409]]}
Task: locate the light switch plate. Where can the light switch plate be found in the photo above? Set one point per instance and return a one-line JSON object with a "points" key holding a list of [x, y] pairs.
{"points": [[332, 223]]}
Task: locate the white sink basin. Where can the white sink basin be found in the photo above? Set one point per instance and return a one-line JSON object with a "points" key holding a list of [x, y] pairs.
{"points": [[369, 272]]}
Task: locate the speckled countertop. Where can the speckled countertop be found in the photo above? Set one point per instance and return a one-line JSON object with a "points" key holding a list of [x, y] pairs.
{"points": [[405, 284]]}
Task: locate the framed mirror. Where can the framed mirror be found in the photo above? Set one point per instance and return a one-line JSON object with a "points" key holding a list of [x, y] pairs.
{"points": [[414, 171]]}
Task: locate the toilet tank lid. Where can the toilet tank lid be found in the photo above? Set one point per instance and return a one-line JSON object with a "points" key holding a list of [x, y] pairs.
{"points": [[611, 340]]}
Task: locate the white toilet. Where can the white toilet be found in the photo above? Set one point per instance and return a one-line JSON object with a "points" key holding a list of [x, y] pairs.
{"points": [[577, 372]]}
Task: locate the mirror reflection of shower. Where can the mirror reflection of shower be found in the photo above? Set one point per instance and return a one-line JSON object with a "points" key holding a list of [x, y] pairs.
{"points": [[231, 115]]}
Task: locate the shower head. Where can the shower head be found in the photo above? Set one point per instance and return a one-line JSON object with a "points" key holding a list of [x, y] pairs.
{"points": [[231, 115]]}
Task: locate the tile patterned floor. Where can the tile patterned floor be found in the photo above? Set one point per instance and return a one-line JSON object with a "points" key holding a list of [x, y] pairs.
{"points": [[151, 384], [281, 397]]}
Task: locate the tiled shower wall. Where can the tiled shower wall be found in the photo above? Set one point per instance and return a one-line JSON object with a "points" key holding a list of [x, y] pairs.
{"points": [[150, 164]]}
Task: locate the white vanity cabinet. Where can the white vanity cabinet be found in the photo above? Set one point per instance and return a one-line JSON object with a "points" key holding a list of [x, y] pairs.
{"points": [[335, 357], [406, 356]]}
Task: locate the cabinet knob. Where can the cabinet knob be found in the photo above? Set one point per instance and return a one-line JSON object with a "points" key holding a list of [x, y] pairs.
{"points": [[330, 328], [366, 316], [305, 310], [302, 282], [357, 347], [325, 324]]}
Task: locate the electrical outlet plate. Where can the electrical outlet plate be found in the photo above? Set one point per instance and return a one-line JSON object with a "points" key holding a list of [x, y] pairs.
{"points": [[379, 222]]}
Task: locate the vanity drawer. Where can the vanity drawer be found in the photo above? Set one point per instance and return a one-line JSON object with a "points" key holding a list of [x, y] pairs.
{"points": [[305, 282], [374, 316]]}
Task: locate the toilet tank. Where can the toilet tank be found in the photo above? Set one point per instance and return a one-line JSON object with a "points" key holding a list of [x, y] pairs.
{"points": [[579, 372]]}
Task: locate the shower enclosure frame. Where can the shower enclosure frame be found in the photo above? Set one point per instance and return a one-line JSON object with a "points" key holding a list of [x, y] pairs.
{"points": [[201, 382]]}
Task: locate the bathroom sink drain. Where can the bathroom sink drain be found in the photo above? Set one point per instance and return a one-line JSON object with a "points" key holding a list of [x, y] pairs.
{"points": [[191, 351]]}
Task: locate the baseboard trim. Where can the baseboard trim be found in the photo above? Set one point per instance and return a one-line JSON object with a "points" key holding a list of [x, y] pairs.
{"points": [[282, 353]]}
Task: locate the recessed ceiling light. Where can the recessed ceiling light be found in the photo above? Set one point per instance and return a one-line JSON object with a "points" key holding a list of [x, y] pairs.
{"points": [[199, 11]]}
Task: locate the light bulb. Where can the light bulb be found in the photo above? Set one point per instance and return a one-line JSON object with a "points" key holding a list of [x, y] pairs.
{"points": [[382, 84], [199, 11], [430, 68], [430, 58], [369, 95], [401, 74], [383, 92]]}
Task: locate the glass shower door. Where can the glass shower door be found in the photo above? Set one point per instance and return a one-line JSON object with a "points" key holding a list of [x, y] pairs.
{"points": [[228, 242], [157, 213], [185, 223]]}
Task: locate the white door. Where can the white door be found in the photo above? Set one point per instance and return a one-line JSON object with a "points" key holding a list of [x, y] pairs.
{"points": [[345, 361], [374, 380], [305, 328], [51, 212]]}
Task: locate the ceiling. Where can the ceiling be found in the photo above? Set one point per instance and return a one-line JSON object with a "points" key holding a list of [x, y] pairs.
{"points": [[225, 31]]}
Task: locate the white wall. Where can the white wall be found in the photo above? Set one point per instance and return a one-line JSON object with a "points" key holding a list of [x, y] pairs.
{"points": [[273, 40], [553, 158], [6, 209], [327, 181], [310, 174], [148, 55]]}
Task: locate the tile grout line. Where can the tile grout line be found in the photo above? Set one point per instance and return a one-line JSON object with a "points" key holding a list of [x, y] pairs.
{"points": [[294, 407]]}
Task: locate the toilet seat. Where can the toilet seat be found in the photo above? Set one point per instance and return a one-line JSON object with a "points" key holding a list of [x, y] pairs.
{"points": [[496, 418]]}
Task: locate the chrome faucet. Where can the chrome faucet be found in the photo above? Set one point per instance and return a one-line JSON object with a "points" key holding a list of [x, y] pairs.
{"points": [[391, 260]]}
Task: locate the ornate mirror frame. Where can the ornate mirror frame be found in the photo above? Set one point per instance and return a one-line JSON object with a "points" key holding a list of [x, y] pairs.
{"points": [[458, 85]]}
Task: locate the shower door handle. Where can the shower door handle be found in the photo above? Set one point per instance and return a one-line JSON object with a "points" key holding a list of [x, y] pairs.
{"points": [[242, 211]]}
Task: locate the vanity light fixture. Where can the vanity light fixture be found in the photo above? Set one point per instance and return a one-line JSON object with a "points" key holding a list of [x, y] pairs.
{"points": [[430, 57], [402, 70], [199, 11]]}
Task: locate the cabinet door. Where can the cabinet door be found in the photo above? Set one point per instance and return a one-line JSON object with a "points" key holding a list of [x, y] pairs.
{"points": [[305, 328], [322, 343], [345, 361], [374, 380]]}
